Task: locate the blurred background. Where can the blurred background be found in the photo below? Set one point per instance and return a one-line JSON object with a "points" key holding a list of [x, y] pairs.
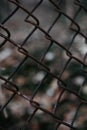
{"points": [[29, 75]]}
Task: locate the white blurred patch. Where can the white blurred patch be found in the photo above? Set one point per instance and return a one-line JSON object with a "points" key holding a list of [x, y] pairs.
{"points": [[53, 86], [79, 80], [50, 92], [5, 53], [84, 89], [50, 56], [82, 46], [38, 77]]}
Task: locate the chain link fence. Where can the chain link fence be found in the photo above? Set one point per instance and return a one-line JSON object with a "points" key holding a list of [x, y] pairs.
{"points": [[43, 65]]}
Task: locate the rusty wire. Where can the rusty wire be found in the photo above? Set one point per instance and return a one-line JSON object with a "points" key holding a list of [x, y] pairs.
{"points": [[12, 87]]}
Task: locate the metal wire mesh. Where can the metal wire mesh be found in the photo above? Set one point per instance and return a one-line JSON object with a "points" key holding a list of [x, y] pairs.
{"points": [[73, 99]]}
